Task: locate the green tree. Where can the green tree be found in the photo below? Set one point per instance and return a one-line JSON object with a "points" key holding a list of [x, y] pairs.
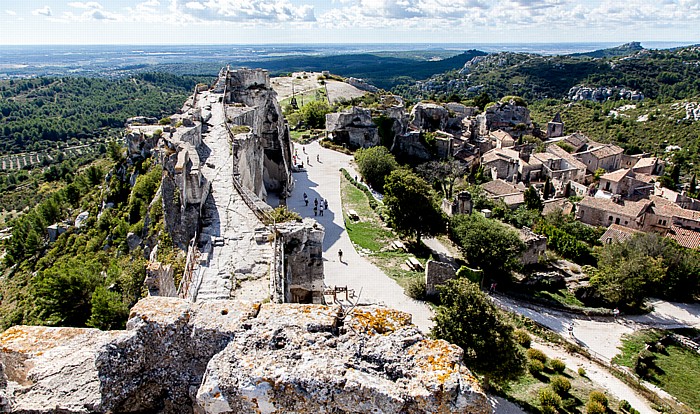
{"points": [[314, 113], [467, 318], [410, 205], [443, 174], [63, 293], [533, 200], [375, 164], [482, 100], [107, 310], [624, 277], [488, 244]]}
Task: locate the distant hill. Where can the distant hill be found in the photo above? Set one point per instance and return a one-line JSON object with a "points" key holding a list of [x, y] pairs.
{"points": [[382, 71], [622, 50], [666, 74]]}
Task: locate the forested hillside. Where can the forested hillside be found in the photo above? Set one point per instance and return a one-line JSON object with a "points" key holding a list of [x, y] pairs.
{"points": [[35, 114], [65, 219], [658, 74]]}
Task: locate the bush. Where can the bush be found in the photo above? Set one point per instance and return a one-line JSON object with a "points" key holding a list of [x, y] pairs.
{"points": [[594, 407], [558, 365], [416, 289], [536, 354], [522, 338], [582, 372], [560, 385], [535, 367], [599, 397], [548, 409], [548, 397]]}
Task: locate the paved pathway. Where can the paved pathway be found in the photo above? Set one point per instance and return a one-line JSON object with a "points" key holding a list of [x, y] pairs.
{"points": [[238, 260], [322, 181]]}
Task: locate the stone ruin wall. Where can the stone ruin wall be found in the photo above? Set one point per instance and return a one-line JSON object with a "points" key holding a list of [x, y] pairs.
{"points": [[235, 357]]}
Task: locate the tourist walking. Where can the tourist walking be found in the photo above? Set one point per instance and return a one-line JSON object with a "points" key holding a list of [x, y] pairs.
{"points": [[320, 210], [315, 211], [340, 256], [315, 202], [325, 204], [306, 199], [318, 158]]}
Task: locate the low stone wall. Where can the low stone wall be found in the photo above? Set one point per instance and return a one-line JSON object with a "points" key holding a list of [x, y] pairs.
{"points": [[437, 273]]}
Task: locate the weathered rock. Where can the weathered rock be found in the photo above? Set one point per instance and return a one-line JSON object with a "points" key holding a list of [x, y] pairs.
{"points": [[303, 258], [232, 357], [429, 117], [300, 359], [437, 273], [507, 116], [353, 127], [132, 241]]}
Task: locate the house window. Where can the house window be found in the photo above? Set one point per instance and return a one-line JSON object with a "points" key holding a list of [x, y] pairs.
{"points": [[660, 221], [617, 220], [610, 218], [625, 223]]}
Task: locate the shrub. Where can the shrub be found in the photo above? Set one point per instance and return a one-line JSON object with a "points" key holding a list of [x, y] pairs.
{"points": [[165, 121], [548, 397], [599, 397], [582, 372], [594, 407], [535, 367], [416, 289], [548, 409], [625, 405], [536, 354], [522, 338], [558, 365], [560, 385]]}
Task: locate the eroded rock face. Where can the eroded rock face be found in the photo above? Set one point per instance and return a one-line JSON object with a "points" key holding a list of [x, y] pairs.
{"points": [[234, 357], [429, 116]]}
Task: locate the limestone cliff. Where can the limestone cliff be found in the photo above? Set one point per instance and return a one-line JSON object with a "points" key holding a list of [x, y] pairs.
{"points": [[235, 357]]}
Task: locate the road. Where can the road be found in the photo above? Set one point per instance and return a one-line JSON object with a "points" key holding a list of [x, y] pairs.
{"points": [[322, 181]]}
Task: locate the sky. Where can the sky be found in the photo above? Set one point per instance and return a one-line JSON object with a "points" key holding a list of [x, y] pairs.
{"points": [[346, 21]]}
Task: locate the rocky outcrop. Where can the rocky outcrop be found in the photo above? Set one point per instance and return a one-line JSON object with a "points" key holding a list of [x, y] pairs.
{"points": [[429, 117], [303, 261], [353, 127], [603, 93], [255, 106], [507, 116], [233, 357]]}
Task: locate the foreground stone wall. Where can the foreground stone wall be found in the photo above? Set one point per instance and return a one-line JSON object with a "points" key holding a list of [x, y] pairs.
{"points": [[234, 357]]}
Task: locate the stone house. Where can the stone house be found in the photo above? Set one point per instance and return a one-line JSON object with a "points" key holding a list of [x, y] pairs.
{"points": [[502, 139], [665, 213], [617, 234], [681, 199], [627, 183], [607, 157], [685, 237], [649, 165], [503, 163], [558, 165], [605, 212], [511, 195]]}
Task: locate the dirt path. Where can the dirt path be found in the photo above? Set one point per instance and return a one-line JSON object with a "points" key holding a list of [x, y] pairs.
{"points": [[598, 375]]}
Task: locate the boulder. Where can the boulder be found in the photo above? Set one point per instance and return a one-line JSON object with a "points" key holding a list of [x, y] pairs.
{"points": [[429, 116], [133, 241], [237, 357]]}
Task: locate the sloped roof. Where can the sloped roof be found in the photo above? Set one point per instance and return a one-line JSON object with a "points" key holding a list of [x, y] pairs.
{"points": [[617, 234], [557, 119], [685, 237], [496, 154], [668, 208], [616, 176], [625, 207], [562, 204], [606, 151], [558, 151], [500, 188], [645, 162]]}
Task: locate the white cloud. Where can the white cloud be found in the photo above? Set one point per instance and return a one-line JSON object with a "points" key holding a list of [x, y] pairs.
{"points": [[194, 5], [85, 5], [243, 11], [11, 12], [44, 11]]}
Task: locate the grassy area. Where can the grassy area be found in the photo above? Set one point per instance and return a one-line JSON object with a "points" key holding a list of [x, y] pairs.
{"points": [[562, 296], [306, 97], [524, 391], [304, 136], [373, 239], [674, 369]]}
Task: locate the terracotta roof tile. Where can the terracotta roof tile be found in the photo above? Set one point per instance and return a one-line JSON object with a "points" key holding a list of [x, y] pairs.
{"points": [[617, 234], [685, 237]]}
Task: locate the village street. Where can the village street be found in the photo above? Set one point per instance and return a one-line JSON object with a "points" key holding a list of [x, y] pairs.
{"points": [[322, 181]]}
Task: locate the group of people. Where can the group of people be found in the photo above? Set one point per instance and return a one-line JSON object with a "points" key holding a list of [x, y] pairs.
{"points": [[298, 160], [319, 207]]}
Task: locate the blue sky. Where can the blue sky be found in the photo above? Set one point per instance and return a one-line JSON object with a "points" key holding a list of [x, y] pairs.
{"points": [[346, 21]]}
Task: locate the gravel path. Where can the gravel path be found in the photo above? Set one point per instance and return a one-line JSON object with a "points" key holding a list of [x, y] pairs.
{"points": [[322, 181]]}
